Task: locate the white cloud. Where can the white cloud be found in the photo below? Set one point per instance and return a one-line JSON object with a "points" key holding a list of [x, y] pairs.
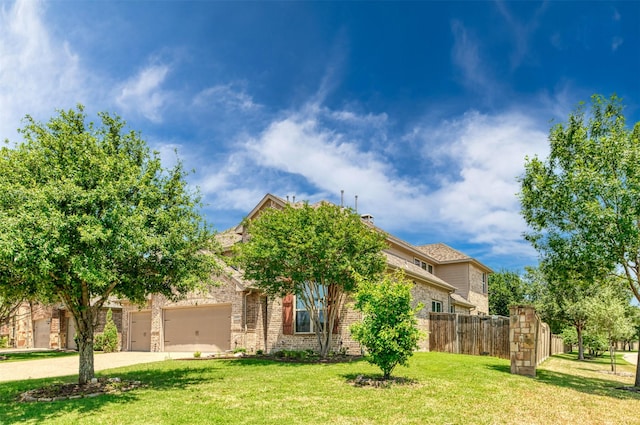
{"points": [[616, 42], [227, 96], [466, 55], [476, 204], [38, 73], [143, 92], [479, 201]]}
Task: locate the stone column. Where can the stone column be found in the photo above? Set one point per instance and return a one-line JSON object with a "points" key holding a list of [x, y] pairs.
{"points": [[523, 327]]}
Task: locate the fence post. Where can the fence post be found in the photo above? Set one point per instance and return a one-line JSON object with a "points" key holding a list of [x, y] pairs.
{"points": [[523, 329]]}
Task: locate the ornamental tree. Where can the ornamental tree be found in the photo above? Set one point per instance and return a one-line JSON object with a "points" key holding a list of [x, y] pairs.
{"points": [[582, 203], [608, 317], [389, 329], [314, 253], [88, 212]]}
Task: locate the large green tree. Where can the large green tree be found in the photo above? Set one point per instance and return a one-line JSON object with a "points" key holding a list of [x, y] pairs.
{"points": [[88, 212], [314, 253], [582, 203]]}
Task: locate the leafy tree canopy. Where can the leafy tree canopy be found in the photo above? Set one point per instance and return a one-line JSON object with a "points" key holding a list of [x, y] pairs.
{"points": [[87, 212], [389, 329], [315, 253], [506, 288], [582, 203]]}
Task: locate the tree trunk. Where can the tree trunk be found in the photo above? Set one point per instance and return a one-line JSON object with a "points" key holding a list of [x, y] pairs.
{"points": [[84, 328], [637, 383], [580, 345], [612, 355], [86, 371]]}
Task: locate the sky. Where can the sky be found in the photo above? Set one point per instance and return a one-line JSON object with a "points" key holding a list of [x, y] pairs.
{"points": [[424, 110]]}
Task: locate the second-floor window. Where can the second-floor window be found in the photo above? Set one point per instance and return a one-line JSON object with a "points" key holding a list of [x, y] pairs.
{"points": [[436, 306], [423, 265]]}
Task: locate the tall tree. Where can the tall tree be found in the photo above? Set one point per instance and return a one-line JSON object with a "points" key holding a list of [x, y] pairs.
{"points": [[314, 253], [505, 289], [582, 203], [88, 212]]}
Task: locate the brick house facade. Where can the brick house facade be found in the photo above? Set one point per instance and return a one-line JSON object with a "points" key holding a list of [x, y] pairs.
{"points": [[230, 313]]}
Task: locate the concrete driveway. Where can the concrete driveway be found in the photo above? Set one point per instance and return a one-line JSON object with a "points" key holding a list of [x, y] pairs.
{"points": [[64, 366]]}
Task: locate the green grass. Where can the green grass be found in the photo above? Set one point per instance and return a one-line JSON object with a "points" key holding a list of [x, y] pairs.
{"points": [[440, 389], [35, 355]]}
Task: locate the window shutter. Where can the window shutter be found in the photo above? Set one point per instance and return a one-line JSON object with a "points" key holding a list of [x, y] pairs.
{"points": [[287, 315], [336, 324]]}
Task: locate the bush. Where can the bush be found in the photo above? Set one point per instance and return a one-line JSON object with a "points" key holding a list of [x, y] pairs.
{"points": [[108, 339], [197, 354], [98, 342], [4, 342], [389, 329]]}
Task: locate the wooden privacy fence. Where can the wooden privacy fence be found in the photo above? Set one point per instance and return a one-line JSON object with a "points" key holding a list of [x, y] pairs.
{"points": [[465, 334], [548, 344]]}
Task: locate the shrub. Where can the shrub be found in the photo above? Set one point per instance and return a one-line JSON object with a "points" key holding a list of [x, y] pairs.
{"points": [[4, 342], [239, 350], [98, 342], [197, 354], [389, 329], [110, 335]]}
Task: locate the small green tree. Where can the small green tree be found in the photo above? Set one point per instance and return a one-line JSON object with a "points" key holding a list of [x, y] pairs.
{"points": [[109, 335], [607, 318], [389, 329]]}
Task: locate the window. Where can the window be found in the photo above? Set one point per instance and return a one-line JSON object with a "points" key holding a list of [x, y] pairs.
{"points": [[452, 309], [303, 322], [436, 306], [484, 283], [423, 265]]}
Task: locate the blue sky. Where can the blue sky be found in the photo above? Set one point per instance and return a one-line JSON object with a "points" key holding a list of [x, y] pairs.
{"points": [[424, 110]]}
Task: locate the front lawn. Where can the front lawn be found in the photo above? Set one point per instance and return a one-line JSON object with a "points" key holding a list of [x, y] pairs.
{"points": [[20, 356], [438, 389]]}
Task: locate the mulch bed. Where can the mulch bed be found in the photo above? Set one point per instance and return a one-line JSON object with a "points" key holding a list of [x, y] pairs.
{"points": [[95, 388]]}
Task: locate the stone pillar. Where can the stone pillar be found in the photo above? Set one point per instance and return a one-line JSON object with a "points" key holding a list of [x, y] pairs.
{"points": [[523, 328]]}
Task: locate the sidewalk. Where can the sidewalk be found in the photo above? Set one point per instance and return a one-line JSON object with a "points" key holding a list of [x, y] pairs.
{"points": [[631, 358], [64, 366]]}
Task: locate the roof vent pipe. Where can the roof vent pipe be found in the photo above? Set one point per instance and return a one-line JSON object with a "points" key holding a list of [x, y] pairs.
{"points": [[342, 198], [356, 203]]}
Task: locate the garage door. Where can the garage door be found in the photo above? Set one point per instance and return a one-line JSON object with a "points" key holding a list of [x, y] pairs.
{"points": [[41, 331], [198, 328], [140, 331]]}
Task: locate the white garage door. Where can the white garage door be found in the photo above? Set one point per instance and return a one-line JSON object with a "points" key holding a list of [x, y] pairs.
{"points": [[41, 331], [205, 328], [140, 331]]}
